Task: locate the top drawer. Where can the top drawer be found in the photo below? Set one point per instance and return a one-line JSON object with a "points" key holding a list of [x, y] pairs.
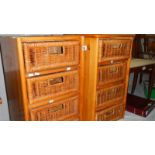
{"points": [[114, 49], [49, 55]]}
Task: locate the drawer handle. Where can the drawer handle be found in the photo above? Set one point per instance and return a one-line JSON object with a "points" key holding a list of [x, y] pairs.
{"points": [[113, 70], [117, 46], [50, 101], [68, 68], [56, 50], [56, 80], [111, 61], [55, 109], [109, 113]]}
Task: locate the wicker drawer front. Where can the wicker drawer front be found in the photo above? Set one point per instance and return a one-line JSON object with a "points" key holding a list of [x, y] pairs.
{"points": [[74, 118], [111, 73], [53, 85], [45, 55], [56, 111], [109, 96], [113, 113], [113, 49]]}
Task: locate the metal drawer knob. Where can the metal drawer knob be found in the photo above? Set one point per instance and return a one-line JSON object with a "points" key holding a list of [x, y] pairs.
{"points": [[68, 68], [30, 75], [36, 73], [111, 61], [50, 101]]}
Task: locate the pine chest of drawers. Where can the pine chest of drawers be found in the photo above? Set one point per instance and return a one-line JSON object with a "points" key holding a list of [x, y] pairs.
{"points": [[44, 77], [107, 69], [68, 77]]}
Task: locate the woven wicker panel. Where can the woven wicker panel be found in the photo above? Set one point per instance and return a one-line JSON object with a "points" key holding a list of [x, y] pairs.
{"points": [[72, 119], [113, 113], [56, 111], [45, 55], [113, 49], [52, 85], [111, 73], [110, 95]]}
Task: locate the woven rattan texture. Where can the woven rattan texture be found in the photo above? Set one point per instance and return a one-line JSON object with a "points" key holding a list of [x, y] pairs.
{"points": [[48, 55], [111, 94], [111, 73], [52, 85], [56, 111], [113, 49], [112, 113]]}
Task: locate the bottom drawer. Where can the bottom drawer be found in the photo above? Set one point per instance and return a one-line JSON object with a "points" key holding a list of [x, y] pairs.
{"points": [[72, 118], [110, 114], [56, 111]]}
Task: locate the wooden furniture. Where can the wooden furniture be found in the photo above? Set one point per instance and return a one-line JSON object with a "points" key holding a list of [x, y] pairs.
{"points": [[44, 77], [107, 64], [149, 46], [68, 77], [136, 104], [139, 65], [144, 48]]}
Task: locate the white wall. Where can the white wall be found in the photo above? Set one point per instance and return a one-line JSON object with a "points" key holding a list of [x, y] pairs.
{"points": [[4, 114]]}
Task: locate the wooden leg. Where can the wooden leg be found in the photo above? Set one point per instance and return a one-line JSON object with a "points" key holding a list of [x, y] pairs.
{"points": [[141, 78], [152, 80], [134, 82]]}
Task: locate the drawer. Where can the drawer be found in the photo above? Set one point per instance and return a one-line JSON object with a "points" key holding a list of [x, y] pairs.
{"points": [[56, 111], [48, 55], [110, 96], [113, 113], [72, 118], [111, 73], [52, 86], [114, 49]]}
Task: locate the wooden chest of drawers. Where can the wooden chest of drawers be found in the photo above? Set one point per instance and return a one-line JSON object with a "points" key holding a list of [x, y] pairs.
{"points": [[44, 77], [69, 77], [107, 69]]}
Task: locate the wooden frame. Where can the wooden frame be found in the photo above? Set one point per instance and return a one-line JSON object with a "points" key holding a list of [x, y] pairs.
{"points": [[91, 69], [16, 75]]}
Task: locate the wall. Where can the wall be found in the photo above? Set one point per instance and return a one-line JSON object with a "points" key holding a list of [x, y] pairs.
{"points": [[4, 114]]}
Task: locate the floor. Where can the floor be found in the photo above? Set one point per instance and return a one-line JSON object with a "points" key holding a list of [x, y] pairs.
{"points": [[139, 92]]}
